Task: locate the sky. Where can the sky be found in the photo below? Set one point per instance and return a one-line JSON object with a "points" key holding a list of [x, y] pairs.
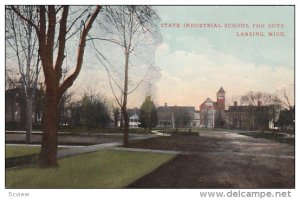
{"points": [[196, 62]]}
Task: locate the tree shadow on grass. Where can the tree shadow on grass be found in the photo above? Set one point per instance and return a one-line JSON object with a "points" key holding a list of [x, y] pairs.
{"points": [[21, 161]]}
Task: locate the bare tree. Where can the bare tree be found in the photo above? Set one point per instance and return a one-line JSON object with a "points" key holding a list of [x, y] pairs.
{"points": [[64, 105], [286, 100], [22, 43], [134, 30], [11, 79], [116, 116], [53, 26]]}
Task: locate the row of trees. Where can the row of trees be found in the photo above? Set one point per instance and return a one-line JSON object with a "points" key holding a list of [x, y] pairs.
{"points": [[93, 111], [41, 36]]}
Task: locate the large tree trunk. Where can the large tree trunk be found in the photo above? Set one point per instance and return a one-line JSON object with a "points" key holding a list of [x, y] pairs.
{"points": [[28, 120], [49, 140]]}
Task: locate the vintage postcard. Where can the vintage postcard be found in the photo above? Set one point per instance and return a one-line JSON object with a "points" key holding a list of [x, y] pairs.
{"points": [[150, 97]]}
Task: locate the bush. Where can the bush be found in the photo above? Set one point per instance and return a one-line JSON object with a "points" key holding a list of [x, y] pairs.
{"points": [[13, 126]]}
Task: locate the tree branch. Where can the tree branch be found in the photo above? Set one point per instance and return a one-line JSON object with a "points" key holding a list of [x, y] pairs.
{"points": [[62, 43], [108, 40], [87, 26], [25, 19]]}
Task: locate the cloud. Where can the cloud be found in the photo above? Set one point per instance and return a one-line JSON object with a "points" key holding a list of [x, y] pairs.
{"points": [[163, 49], [188, 78]]}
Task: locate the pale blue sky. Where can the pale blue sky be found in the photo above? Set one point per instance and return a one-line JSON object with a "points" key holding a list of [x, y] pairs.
{"points": [[270, 50], [195, 62]]}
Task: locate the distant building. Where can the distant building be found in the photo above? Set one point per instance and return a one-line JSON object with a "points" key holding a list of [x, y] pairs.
{"points": [[15, 106], [134, 121], [247, 117], [211, 113], [176, 116], [134, 118], [214, 115], [196, 121], [15, 109]]}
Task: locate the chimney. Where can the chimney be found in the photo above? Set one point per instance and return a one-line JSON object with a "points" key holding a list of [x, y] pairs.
{"points": [[166, 104], [258, 103], [235, 103]]}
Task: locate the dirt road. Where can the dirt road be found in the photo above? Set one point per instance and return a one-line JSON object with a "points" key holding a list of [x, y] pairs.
{"points": [[221, 160]]}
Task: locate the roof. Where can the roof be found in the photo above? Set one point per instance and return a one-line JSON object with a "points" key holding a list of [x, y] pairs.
{"points": [[221, 90], [135, 116], [133, 111], [208, 100], [172, 108]]}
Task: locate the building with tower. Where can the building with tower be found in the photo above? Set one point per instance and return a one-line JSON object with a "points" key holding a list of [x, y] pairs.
{"points": [[212, 113], [221, 99]]}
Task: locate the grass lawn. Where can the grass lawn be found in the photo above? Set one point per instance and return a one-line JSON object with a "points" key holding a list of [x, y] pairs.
{"points": [[17, 151], [102, 169]]}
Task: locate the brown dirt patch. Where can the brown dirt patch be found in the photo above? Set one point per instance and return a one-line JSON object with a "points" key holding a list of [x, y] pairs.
{"points": [[220, 161]]}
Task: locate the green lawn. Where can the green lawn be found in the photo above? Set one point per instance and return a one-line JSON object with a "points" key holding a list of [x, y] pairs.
{"points": [[102, 169], [17, 151]]}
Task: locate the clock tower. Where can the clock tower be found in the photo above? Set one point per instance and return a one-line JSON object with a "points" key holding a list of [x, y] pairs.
{"points": [[221, 99]]}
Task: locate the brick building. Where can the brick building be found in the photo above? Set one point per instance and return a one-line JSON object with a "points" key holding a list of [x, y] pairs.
{"points": [[212, 113], [251, 117], [247, 117], [176, 116]]}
